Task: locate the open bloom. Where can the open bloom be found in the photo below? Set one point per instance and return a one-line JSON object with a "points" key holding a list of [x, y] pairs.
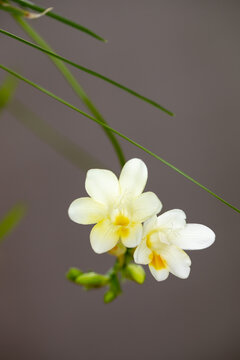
{"points": [[164, 237], [118, 207]]}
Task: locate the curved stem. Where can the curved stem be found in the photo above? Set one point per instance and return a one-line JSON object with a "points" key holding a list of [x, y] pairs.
{"points": [[75, 86]]}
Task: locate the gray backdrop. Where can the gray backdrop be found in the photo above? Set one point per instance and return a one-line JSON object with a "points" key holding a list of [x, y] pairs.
{"points": [[184, 54]]}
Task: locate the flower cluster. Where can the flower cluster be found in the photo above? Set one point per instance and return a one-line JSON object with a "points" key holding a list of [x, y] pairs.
{"points": [[126, 217]]}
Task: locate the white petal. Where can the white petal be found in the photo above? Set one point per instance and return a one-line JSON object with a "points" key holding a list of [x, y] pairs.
{"points": [[159, 275], [132, 236], [177, 260], [86, 211], [150, 225], [102, 185], [172, 219], [133, 177], [195, 237], [104, 236], [142, 253], [145, 206]]}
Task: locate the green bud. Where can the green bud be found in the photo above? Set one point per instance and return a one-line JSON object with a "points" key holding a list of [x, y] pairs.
{"points": [[73, 273], [109, 296], [136, 273], [92, 279]]}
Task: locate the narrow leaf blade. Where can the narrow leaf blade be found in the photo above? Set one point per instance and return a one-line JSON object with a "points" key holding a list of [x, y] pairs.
{"points": [[62, 101], [88, 71], [60, 18]]}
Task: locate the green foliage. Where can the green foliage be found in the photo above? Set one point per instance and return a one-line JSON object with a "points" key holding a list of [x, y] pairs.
{"points": [[75, 86], [11, 219], [11, 9], [20, 77], [7, 91], [60, 18], [86, 70]]}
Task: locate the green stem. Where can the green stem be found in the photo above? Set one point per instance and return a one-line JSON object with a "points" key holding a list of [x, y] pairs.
{"points": [[88, 71], [74, 84], [62, 101]]}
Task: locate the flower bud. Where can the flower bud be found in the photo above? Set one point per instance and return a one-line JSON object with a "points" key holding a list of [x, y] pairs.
{"points": [[135, 273], [109, 296], [92, 279], [73, 273]]}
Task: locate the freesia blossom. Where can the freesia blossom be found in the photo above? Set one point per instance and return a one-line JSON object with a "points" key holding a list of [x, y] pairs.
{"points": [[164, 238], [117, 207]]}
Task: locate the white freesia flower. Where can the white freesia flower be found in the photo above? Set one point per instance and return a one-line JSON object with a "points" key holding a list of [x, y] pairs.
{"points": [[118, 207], [164, 238]]}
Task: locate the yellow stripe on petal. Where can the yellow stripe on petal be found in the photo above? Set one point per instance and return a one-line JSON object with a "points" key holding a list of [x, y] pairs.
{"points": [[157, 261], [159, 275]]}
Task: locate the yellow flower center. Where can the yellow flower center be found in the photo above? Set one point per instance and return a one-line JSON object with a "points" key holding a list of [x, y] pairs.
{"points": [[121, 220]]}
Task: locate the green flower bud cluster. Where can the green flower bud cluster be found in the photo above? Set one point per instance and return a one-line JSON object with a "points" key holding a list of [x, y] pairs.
{"points": [[122, 270]]}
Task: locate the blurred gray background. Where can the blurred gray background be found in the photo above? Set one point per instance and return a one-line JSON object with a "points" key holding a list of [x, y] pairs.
{"points": [[184, 54]]}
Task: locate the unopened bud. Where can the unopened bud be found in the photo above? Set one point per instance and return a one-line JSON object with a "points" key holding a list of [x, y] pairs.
{"points": [[136, 273], [92, 279], [109, 296], [73, 273]]}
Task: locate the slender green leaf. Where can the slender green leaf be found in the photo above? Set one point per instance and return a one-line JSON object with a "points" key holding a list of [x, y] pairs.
{"points": [[11, 219], [60, 18], [47, 92], [50, 136], [88, 71], [7, 91], [74, 85], [11, 9]]}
